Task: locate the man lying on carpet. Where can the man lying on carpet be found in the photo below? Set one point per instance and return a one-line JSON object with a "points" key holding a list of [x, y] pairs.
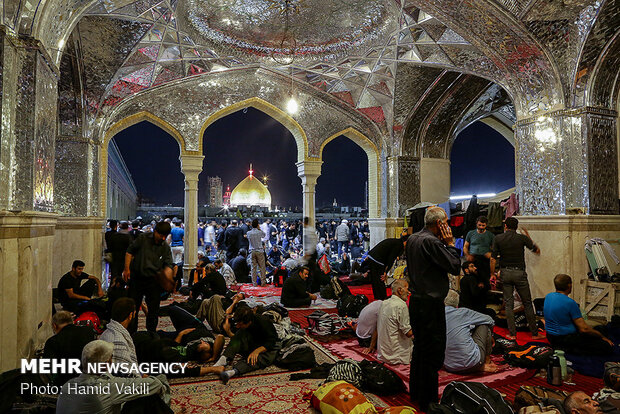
{"points": [[212, 310], [566, 328], [579, 402], [468, 350], [256, 340]]}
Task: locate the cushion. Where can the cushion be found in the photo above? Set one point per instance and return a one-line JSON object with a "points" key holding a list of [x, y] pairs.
{"points": [[340, 397]]}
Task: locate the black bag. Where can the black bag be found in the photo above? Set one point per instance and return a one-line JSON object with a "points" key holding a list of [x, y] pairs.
{"points": [[434, 408], [339, 288], [502, 345], [296, 357], [474, 398], [327, 292], [530, 355], [277, 308], [351, 305], [381, 380]]}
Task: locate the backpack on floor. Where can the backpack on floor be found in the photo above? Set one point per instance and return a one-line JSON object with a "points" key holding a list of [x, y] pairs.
{"points": [[474, 398], [351, 305], [346, 370], [90, 319], [530, 355], [612, 375], [529, 395], [380, 380], [296, 357], [323, 323], [502, 345], [339, 288]]}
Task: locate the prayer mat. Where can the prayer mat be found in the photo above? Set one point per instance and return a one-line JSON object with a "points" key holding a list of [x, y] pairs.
{"points": [[522, 337], [273, 393], [350, 349]]}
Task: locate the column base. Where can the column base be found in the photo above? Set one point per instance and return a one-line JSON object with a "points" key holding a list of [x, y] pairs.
{"points": [[26, 257], [384, 228], [561, 240]]}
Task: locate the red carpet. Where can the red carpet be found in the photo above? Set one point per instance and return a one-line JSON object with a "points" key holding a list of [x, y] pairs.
{"points": [[299, 315]]}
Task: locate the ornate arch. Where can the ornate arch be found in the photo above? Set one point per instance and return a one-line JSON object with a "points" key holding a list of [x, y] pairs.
{"points": [[273, 111], [121, 125]]}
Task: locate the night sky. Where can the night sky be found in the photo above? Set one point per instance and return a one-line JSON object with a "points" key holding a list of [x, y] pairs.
{"points": [[482, 162], [250, 136]]}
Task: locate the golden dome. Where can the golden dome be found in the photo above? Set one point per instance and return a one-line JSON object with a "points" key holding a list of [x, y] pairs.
{"points": [[250, 192]]}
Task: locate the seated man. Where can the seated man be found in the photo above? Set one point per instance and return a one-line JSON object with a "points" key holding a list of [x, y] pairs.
{"points": [[212, 284], [111, 401], [565, 326], [123, 312], [71, 294], [198, 273], [294, 294], [256, 341], [473, 290], [468, 349], [578, 402], [366, 329], [68, 341], [240, 266], [226, 271], [343, 267], [394, 332]]}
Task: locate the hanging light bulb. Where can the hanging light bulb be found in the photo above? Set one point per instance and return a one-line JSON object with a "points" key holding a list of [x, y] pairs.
{"points": [[292, 107]]}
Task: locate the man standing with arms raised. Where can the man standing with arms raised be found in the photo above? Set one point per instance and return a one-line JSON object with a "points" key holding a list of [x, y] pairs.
{"points": [[509, 246], [431, 255]]}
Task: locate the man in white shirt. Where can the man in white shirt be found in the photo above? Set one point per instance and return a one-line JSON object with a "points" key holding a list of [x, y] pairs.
{"points": [[394, 332], [265, 227], [210, 238], [366, 329]]}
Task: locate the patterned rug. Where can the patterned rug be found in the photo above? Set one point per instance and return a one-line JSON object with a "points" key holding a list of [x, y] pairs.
{"points": [[273, 393], [270, 294]]}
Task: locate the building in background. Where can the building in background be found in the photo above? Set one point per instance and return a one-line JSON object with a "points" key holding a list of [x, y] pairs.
{"points": [[214, 187], [122, 193]]}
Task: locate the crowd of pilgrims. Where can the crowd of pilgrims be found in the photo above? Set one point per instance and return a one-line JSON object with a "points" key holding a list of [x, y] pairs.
{"points": [[214, 323]]}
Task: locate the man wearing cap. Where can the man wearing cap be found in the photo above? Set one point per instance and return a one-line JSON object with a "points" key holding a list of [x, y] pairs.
{"points": [[509, 247]]}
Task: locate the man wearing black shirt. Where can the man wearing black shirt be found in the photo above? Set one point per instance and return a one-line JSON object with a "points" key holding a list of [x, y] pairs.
{"points": [[294, 292], [70, 293], [233, 238], [256, 341], [431, 255], [212, 284], [473, 290], [148, 258], [380, 260], [68, 342], [509, 246], [240, 266]]}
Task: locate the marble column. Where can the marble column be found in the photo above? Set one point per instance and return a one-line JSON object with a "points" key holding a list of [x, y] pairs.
{"points": [[191, 166], [434, 180], [566, 162], [403, 184], [309, 171]]}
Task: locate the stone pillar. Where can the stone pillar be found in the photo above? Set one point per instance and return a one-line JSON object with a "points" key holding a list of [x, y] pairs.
{"points": [[309, 171], [403, 183], [566, 161], [191, 166], [384, 228], [434, 180]]}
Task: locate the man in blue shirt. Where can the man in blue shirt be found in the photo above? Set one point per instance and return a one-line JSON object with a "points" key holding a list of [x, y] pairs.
{"points": [[468, 341], [566, 328]]}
